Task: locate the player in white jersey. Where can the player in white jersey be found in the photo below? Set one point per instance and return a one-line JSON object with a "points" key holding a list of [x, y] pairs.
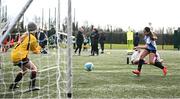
{"points": [[136, 56]]}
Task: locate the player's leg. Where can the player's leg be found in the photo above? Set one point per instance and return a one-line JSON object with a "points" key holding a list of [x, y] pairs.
{"points": [[153, 61], [152, 58], [33, 70], [102, 47], [76, 48], [92, 50], [80, 47], [141, 61], [96, 49], [18, 78]]}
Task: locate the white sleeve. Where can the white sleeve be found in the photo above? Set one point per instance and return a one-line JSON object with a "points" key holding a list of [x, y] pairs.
{"points": [[135, 55], [148, 41]]}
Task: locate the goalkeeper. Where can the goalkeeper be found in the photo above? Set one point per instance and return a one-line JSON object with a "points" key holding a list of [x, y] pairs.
{"points": [[19, 57]]}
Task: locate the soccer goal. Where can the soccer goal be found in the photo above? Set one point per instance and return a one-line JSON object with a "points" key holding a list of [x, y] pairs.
{"points": [[54, 75]]}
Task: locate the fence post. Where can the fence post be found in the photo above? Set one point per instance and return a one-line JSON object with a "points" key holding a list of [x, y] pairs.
{"points": [[162, 38], [111, 38]]}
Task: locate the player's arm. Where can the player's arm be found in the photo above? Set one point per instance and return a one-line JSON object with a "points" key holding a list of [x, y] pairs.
{"points": [[35, 48]]}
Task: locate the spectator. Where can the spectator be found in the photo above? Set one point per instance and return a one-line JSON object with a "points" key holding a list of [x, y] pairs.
{"points": [[94, 42], [136, 39], [42, 38], [102, 38], [79, 41]]}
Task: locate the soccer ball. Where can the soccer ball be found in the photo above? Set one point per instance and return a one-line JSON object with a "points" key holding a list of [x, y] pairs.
{"points": [[88, 66]]}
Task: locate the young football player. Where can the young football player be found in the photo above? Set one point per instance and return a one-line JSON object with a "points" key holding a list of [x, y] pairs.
{"points": [[150, 49], [19, 57]]}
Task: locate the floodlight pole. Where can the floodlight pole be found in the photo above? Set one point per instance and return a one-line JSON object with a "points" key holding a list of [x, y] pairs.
{"points": [[13, 23], [69, 52], [163, 38]]}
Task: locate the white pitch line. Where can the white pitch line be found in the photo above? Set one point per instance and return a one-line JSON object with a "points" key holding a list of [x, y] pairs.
{"points": [[48, 69], [114, 71]]}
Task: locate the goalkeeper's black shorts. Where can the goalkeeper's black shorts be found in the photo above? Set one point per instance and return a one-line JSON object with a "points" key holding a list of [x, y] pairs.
{"points": [[22, 62]]}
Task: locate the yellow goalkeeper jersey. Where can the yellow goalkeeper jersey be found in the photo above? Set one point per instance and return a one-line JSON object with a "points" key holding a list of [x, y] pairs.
{"points": [[21, 50]]}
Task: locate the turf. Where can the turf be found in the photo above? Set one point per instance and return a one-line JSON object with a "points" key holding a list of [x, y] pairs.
{"points": [[110, 78]]}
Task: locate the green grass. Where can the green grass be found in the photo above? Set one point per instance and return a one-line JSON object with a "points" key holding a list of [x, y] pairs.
{"points": [[46, 77], [111, 77]]}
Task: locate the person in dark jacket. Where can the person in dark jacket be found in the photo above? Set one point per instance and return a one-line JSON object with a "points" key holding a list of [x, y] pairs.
{"points": [[136, 39], [94, 42], [42, 38], [79, 40], [102, 38]]}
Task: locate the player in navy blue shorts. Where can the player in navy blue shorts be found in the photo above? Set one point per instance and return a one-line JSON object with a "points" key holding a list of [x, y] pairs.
{"points": [[149, 48]]}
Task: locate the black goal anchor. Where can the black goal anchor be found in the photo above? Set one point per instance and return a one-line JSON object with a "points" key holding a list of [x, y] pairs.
{"points": [[129, 57]]}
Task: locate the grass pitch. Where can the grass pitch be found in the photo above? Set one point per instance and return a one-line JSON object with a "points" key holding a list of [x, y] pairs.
{"points": [[111, 77]]}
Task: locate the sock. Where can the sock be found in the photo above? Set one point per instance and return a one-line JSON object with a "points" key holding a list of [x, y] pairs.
{"points": [[141, 61], [159, 65], [18, 77]]}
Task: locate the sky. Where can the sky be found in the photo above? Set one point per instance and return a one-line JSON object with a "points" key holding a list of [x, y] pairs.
{"points": [[118, 13]]}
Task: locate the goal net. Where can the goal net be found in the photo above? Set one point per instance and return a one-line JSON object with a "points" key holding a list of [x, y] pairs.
{"points": [[51, 76], [54, 68]]}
